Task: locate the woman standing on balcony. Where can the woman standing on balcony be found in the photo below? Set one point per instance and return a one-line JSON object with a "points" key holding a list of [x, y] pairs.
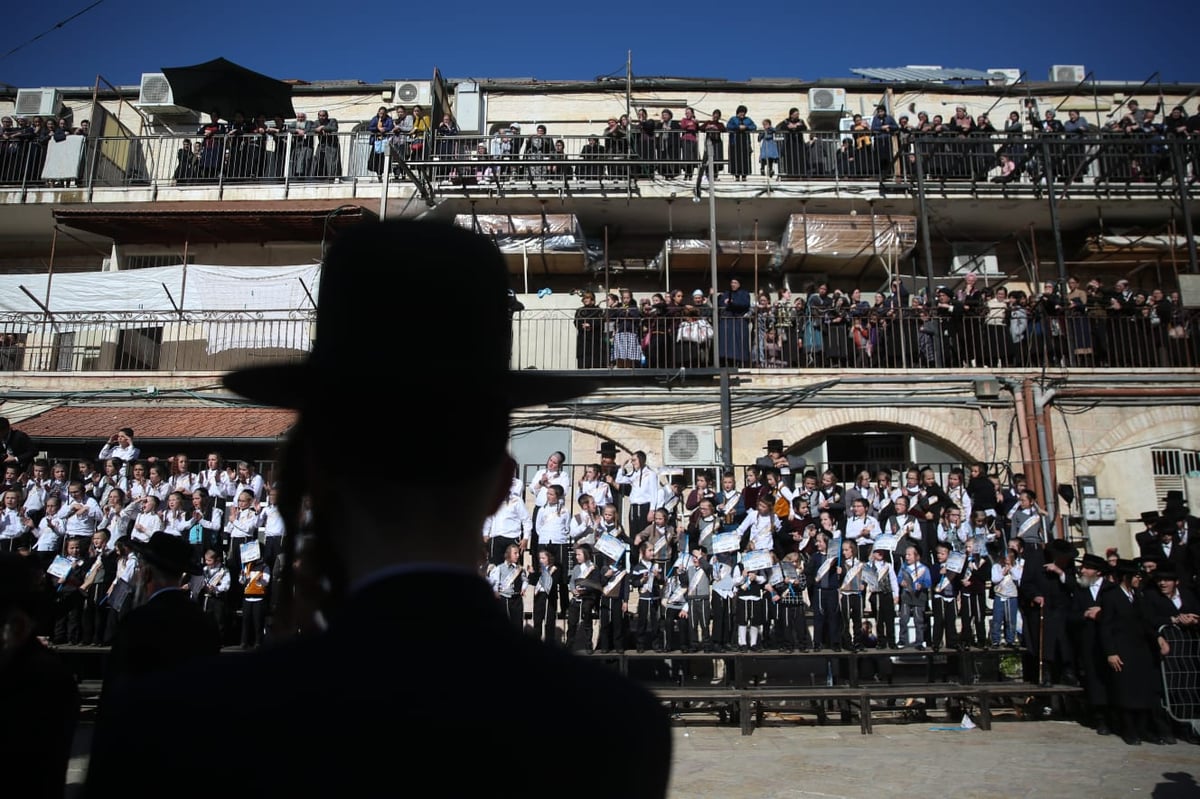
{"points": [[741, 151], [713, 129], [624, 318], [589, 334], [380, 128], [734, 342]]}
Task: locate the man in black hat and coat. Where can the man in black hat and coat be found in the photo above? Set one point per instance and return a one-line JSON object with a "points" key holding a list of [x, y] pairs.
{"points": [[1147, 537], [1127, 638], [398, 676], [788, 465], [608, 473], [1046, 596], [1084, 624], [38, 692]]}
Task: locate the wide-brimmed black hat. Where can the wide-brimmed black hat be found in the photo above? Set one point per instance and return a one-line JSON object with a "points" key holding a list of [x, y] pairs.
{"points": [[1090, 561], [607, 449], [1125, 566], [1150, 517], [1060, 547], [774, 445], [171, 553], [371, 313]]}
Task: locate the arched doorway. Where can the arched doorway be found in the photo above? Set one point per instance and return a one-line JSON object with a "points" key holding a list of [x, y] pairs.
{"points": [[849, 449]]}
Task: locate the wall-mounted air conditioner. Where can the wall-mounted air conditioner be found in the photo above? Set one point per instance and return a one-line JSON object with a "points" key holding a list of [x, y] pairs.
{"points": [[413, 92], [688, 445], [155, 95], [827, 100], [1067, 73], [37, 103]]}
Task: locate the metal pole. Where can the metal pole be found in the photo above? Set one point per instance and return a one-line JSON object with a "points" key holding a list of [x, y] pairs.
{"points": [[387, 178], [1181, 185], [924, 218], [712, 250], [1058, 245]]}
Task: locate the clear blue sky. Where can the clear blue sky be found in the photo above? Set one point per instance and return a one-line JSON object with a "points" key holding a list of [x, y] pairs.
{"points": [[373, 42]]}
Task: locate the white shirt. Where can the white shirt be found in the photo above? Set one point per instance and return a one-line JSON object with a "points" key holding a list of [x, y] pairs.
{"points": [[762, 529], [81, 518], [215, 482], [126, 454], [243, 523], [151, 523], [254, 485], [11, 524], [177, 522], [271, 521], [643, 485], [558, 478], [863, 530], [511, 520], [49, 533], [554, 525], [597, 490]]}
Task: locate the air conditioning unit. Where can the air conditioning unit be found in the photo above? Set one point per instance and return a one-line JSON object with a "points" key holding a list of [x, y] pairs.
{"points": [[37, 103], [155, 95], [827, 100], [415, 92], [1063, 73], [981, 262], [1004, 76], [688, 445]]}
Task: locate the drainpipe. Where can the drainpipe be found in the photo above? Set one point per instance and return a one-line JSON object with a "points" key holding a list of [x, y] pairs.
{"points": [[1041, 402], [1019, 410]]}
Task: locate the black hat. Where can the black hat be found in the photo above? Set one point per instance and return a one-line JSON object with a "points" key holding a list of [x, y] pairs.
{"points": [[1150, 517], [1165, 573], [1166, 527], [1060, 547], [774, 445], [1090, 561], [365, 296], [607, 449], [1125, 566], [171, 553], [20, 584]]}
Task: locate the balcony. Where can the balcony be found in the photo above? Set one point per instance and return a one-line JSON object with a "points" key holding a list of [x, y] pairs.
{"points": [[209, 342], [282, 166]]}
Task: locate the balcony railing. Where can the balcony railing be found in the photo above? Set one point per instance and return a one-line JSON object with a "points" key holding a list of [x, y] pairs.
{"points": [[216, 342], [977, 162]]}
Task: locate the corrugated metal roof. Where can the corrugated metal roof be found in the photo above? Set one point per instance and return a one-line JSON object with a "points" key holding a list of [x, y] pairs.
{"points": [[919, 74]]}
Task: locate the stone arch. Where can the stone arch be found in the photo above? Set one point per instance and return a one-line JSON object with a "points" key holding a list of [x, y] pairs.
{"points": [[1145, 424], [943, 428]]}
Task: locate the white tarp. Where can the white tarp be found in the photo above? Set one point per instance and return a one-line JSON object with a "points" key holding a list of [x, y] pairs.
{"points": [[207, 288], [272, 293]]}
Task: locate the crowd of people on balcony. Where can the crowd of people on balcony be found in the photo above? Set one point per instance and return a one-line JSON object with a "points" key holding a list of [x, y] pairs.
{"points": [[1088, 325], [1132, 146], [25, 141]]}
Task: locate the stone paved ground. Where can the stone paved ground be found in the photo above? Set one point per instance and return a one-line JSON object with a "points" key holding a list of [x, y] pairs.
{"points": [[1043, 759], [1035, 759]]}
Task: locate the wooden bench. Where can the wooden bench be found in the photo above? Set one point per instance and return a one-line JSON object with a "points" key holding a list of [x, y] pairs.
{"points": [[751, 702]]}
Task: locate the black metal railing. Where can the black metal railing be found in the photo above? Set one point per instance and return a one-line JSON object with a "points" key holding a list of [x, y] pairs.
{"points": [[907, 339], [507, 159]]}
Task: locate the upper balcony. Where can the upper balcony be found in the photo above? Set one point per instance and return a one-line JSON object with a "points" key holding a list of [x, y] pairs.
{"points": [[283, 163], [785, 338]]}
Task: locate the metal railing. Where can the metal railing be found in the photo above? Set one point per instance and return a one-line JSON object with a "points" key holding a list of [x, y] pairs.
{"points": [[897, 339], [139, 341], [167, 341], [450, 163]]}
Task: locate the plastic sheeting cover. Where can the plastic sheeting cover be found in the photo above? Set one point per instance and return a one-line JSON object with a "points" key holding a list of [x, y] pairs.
{"points": [[843, 236]]}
